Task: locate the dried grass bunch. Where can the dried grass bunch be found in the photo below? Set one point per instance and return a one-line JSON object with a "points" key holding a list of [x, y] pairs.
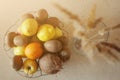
{"points": [[92, 36]]}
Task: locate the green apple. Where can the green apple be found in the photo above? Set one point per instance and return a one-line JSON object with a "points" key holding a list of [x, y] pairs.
{"points": [[19, 50], [30, 66]]}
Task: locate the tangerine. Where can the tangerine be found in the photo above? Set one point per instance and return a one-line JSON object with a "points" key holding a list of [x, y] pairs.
{"points": [[34, 50]]}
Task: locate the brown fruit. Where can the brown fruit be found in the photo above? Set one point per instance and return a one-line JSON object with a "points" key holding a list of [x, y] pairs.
{"points": [[42, 15], [10, 38], [53, 46], [17, 62], [26, 16], [50, 63], [35, 39], [65, 54], [20, 40], [64, 40], [54, 21]]}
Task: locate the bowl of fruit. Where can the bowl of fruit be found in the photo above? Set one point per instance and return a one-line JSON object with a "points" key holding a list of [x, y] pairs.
{"points": [[36, 44]]}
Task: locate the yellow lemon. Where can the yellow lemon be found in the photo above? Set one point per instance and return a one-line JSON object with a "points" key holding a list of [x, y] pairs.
{"points": [[29, 27], [46, 32], [58, 32]]}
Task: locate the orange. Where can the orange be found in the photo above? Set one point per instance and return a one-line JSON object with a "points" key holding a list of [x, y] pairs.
{"points": [[34, 50]]}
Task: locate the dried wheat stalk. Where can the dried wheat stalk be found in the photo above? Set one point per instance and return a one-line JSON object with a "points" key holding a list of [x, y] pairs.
{"points": [[103, 47], [111, 45], [70, 14]]}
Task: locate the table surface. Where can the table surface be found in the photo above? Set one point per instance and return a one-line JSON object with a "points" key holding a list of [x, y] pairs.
{"points": [[75, 68]]}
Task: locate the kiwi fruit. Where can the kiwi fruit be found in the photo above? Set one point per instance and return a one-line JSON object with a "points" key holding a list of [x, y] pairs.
{"points": [[42, 15], [53, 46], [54, 21], [26, 16], [17, 62], [10, 38], [20, 40], [64, 54], [34, 39]]}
